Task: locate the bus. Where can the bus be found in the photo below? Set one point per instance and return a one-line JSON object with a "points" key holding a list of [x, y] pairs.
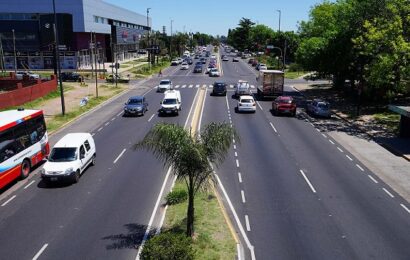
{"points": [[23, 143]]}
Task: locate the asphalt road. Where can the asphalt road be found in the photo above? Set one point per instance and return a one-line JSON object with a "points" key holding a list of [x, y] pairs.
{"points": [[297, 193]]}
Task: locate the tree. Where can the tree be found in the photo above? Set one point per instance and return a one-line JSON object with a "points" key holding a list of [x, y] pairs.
{"points": [[189, 155]]}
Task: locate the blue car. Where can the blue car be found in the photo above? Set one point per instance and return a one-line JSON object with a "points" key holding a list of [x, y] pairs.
{"points": [[136, 105]]}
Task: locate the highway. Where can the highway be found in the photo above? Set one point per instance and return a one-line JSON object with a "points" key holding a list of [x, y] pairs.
{"points": [[297, 193]]}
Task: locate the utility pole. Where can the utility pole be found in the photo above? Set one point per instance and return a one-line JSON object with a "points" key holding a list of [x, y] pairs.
{"points": [[170, 42], [280, 14], [15, 55], [2, 56], [148, 41], [95, 60], [58, 59]]}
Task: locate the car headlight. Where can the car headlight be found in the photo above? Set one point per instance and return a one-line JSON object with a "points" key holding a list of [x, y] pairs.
{"points": [[68, 171]]}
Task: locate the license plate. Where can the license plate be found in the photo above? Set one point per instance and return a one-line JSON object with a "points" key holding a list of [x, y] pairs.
{"points": [[168, 112], [286, 111], [53, 179]]}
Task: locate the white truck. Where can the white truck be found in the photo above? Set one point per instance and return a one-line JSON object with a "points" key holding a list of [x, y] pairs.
{"points": [[171, 104], [270, 83]]}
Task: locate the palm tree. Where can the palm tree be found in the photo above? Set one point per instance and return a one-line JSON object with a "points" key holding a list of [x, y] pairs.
{"points": [[189, 155]]}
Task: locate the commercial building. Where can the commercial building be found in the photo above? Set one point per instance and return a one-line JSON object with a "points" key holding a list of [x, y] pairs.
{"points": [[86, 29]]}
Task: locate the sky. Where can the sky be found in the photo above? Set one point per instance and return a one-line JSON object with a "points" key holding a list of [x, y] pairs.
{"points": [[215, 17]]}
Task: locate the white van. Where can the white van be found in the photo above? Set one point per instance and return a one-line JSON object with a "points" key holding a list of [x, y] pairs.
{"points": [[171, 104], [69, 158]]}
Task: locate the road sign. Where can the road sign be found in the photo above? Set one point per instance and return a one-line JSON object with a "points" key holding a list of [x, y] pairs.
{"points": [[270, 47]]}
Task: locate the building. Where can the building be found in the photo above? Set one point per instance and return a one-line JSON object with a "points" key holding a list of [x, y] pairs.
{"points": [[86, 28]]}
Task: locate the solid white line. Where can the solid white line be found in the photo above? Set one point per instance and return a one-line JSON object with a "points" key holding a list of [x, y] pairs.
{"points": [[274, 129], [324, 135], [7, 201], [28, 185], [162, 220], [373, 179], [358, 166], [120, 113], [202, 112], [348, 157], [243, 196], [238, 250], [331, 142], [338, 148], [151, 117], [388, 193], [404, 207], [40, 252], [257, 102], [190, 110], [238, 222], [151, 220], [240, 177], [99, 129], [234, 147], [107, 123], [308, 182], [248, 226], [123, 151], [237, 163]]}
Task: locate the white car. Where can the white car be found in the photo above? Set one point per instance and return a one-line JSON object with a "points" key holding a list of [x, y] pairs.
{"points": [[171, 104], [184, 66], [214, 72], [164, 85], [180, 60], [174, 62], [225, 58], [213, 56], [246, 104], [69, 158], [263, 67], [21, 74]]}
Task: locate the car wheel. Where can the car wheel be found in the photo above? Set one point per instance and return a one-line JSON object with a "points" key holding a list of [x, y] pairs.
{"points": [[76, 177], [25, 169], [93, 160]]}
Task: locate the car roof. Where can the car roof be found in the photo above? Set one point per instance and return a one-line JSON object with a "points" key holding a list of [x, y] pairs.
{"points": [[137, 97], [245, 97], [72, 140], [165, 80]]}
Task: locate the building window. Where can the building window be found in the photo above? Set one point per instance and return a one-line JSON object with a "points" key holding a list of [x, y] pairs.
{"points": [[96, 19]]}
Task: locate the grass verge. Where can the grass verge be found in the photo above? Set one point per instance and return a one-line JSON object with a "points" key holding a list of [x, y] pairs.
{"points": [[294, 74], [389, 120], [146, 70], [213, 239]]}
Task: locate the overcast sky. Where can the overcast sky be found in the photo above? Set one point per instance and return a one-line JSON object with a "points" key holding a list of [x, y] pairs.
{"points": [[215, 17]]}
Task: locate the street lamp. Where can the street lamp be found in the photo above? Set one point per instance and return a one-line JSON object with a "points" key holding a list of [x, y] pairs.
{"points": [[170, 42], [280, 14], [57, 44], [14, 47], [148, 42]]}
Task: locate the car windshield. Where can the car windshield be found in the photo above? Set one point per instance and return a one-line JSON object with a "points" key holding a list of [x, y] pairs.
{"points": [[242, 85], [169, 101], [219, 86], [165, 82], [134, 102], [323, 105], [63, 155]]}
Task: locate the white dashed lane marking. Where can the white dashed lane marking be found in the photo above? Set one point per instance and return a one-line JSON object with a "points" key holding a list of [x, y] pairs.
{"points": [[308, 182], [388, 193], [240, 177], [7, 201], [358, 166], [243, 196], [28, 185], [237, 163], [373, 179], [348, 157], [40, 252], [338, 148], [405, 208], [248, 226], [331, 142]]}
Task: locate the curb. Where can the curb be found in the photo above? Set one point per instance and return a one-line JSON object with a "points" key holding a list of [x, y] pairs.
{"points": [[388, 147]]}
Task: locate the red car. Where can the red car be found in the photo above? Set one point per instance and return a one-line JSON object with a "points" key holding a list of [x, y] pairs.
{"points": [[254, 62], [284, 105]]}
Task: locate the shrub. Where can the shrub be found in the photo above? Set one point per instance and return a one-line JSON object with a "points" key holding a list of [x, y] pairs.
{"points": [[168, 246], [176, 196]]}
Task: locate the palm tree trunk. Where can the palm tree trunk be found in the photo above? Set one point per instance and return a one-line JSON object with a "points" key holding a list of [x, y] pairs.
{"points": [[190, 213]]}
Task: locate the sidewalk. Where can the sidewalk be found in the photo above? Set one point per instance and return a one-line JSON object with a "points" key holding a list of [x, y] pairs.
{"points": [[381, 152]]}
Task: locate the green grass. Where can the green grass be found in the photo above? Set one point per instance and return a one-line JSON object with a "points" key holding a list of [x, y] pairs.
{"points": [[213, 239], [294, 74], [145, 70], [389, 120]]}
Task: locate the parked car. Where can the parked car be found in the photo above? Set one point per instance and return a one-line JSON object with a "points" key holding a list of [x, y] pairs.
{"points": [[21, 74], [70, 76], [254, 62], [219, 88], [69, 158], [318, 107], [284, 105], [246, 103], [235, 59], [136, 105], [114, 77], [258, 66], [164, 85], [198, 68], [214, 72], [262, 67]]}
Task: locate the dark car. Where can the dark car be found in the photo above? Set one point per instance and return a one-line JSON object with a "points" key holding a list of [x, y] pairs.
{"points": [[219, 89], [189, 61], [254, 62], [136, 105], [250, 61], [198, 69], [70, 76], [203, 60], [284, 105]]}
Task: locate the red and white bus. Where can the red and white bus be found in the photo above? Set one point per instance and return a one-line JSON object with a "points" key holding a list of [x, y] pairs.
{"points": [[23, 143]]}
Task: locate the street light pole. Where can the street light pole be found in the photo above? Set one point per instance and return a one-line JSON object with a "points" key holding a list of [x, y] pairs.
{"points": [[280, 14], [58, 59], [170, 42], [148, 42], [15, 57]]}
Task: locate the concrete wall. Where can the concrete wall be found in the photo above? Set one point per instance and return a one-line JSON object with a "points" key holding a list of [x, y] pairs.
{"points": [[26, 94]]}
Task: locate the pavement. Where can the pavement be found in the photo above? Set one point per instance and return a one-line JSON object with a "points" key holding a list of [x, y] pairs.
{"points": [[387, 156]]}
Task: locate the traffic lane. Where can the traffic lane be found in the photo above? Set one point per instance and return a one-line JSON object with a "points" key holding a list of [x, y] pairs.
{"points": [[361, 207], [280, 201]]}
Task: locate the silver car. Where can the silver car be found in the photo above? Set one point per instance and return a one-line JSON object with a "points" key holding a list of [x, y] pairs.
{"points": [[319, 107]]}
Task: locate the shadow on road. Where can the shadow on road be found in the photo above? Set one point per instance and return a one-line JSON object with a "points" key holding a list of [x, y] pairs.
{"points": [[130, 239]]}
